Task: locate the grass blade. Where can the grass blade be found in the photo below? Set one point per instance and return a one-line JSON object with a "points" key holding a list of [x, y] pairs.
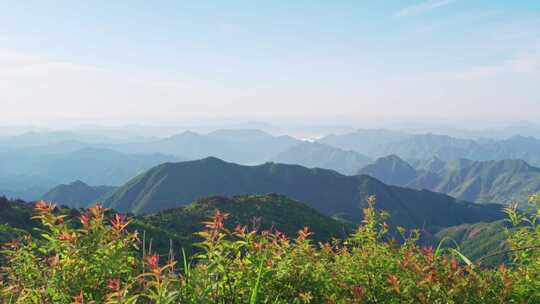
{"points": [[439, 249], [186, 264], [255, 291], [463, 257]]}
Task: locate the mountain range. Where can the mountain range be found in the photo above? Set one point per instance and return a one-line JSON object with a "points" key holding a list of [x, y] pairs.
{"points": [[367, 141], [412, 147], [443, 185], [241, 146], [33, 163], [175, 184], [493, 181]]}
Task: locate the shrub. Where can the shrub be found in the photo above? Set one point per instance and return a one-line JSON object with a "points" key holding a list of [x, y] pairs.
{"points": [[525, 243], [69, 263], [99, 261]]}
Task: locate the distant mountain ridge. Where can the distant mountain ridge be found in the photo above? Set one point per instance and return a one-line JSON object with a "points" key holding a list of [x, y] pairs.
{"points": [[318, 155], [378, 143], [77, 194], [365, 141], [239, 145], [393, 169], [477, 181], [175, 184], [34, 162], [29, 173]]}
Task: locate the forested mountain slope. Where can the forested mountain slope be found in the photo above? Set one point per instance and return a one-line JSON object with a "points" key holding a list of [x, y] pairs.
{"points": [[175, 184], [476, 181]]}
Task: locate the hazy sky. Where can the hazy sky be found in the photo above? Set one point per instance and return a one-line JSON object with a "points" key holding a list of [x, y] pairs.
{"points": [[334, 61]]}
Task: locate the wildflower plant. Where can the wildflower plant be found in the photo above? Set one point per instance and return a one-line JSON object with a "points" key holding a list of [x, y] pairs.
{"points": [[94, 259], [70, 263]]}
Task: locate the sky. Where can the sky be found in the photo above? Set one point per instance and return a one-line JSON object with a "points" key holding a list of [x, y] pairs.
{"points": [[357, 62]]}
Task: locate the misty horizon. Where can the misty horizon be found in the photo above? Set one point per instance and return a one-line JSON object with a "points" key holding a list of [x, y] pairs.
{"points": [[309, 131]]}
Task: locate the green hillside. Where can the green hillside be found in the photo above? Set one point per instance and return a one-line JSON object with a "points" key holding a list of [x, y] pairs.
{"points": [[482, 242], [476, 181], [490, 181], [274, 212], [175, 184]]}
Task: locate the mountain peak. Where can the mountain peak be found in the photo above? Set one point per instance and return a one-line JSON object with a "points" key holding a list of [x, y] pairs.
{"points": [[391, 158], [79, 183], [183, 135], [215, 201], [239, 132], [391, 169], [77, 194], [211, 159]]}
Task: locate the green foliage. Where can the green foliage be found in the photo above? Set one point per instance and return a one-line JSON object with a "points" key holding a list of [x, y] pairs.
{"points": [[261, 212], [525, 244], [66, 262], [97, 261]]}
